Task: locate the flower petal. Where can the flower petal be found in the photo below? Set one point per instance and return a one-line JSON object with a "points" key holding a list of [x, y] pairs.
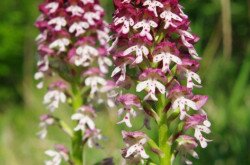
{"points": [[142, 85]]}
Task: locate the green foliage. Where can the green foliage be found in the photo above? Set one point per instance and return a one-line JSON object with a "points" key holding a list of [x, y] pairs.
{"points": [[16, 17]]}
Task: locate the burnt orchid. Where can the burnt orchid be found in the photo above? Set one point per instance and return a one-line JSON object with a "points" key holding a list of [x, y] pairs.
{"points": [[59, 154], [156, 68], [72, 46]]}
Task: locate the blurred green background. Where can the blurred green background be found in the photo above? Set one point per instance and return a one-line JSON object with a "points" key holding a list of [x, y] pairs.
{"points": [[224, 29]]}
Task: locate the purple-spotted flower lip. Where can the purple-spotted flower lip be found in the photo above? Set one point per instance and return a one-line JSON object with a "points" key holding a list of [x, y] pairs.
{"points": [[200, 100], [93, 71], [61, 85], [194, 120], [178, 89], [153, 73], [129, 100]]}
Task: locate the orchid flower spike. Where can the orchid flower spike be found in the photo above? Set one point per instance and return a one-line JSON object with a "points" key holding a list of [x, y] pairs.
{"points": [[156, 67]]}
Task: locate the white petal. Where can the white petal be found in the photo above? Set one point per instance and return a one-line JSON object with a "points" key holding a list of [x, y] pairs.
{"points": [[120, 111], [207, 123], [152, 96], [203, 144], [149, 36], [42, 134], [204, 129], [39, 75], [120, 20], [175, 104], [194, 154], [62, 97], [160, 87], [153, 24], [138, 25], [131, 22], [158, 57], [77, 116], [188, 162], [176, 59], [131, 150], [79, 127], [51, 153], [142, 85], [39, 85], [125, 27], [145, 50], [176, 17], [143, 154], [115, 71], [90, 123], [195, 76], [197, 134], [183, 114], [143, 141], [130, 50], [126, 120], [107, 61], [190, 104], [88, 81]]}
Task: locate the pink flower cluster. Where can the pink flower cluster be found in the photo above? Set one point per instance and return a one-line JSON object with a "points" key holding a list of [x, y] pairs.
{"points": [[155, 60], [73, 39], [72, 47]]}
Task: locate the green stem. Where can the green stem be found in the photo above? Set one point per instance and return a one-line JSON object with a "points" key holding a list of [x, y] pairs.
{"points": [[163, 132], [77, 143], [65, 128], [165, 159]]}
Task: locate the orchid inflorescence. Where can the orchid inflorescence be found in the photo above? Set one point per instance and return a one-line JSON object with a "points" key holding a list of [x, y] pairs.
{"points": [[73, 58], [156, 67], [155, 72]]}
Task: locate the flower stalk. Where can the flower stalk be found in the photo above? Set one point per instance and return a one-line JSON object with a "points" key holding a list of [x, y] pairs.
{"points": [[156, 72], [73, 59], [77, 143]]}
